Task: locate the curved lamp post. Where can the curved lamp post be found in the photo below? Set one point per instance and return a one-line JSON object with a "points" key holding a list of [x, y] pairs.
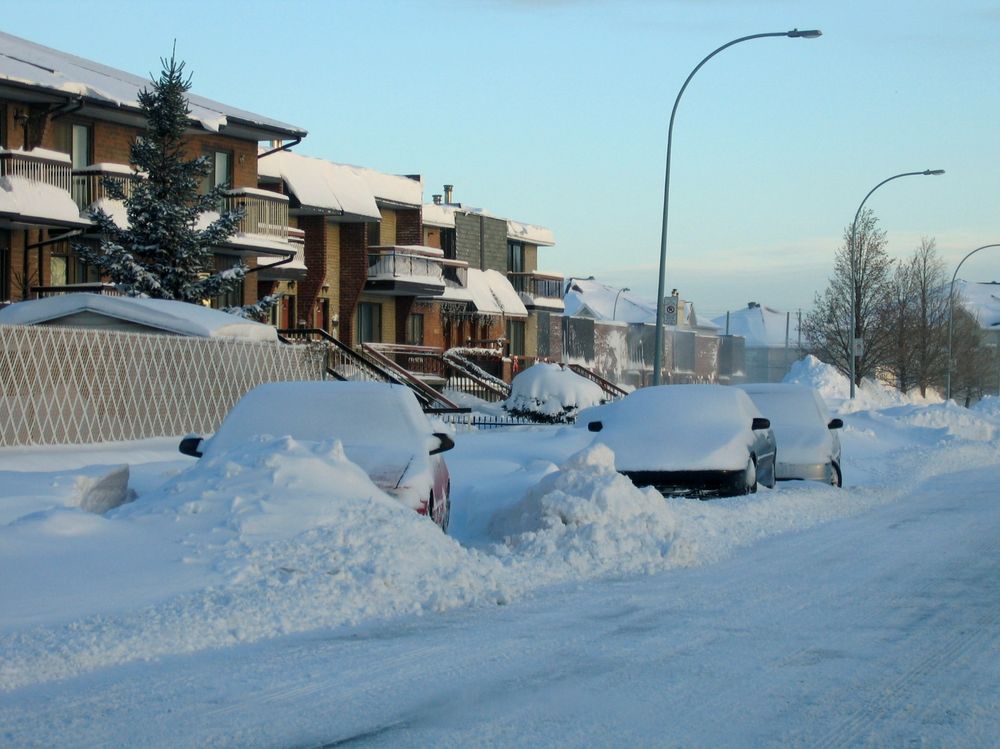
{"points": [[854, 282], [614, 314], [658, 348], [951, 309]]}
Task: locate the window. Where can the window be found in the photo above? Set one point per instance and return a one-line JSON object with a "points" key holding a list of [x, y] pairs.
{"points": [[233, 297], [515, 257], [220, 170], [515, 337], [58, 270], [75, 139], [448, 244], [415, 330], [368, 327], [374, 234], [3, 136]]}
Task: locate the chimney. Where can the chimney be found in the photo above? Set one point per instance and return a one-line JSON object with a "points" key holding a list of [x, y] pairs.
{"points": [[447, 193], [437, 199]]}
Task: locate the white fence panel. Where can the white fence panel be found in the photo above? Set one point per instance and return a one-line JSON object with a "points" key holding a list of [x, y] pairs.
{"points": [[75, 385]]}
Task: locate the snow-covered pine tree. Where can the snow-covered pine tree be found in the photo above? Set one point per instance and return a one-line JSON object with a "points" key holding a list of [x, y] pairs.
{"points": [[162, 253]]}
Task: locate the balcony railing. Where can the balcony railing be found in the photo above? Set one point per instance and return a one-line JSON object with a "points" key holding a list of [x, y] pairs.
{"points": [[389, 263], [46, 167], [89, 185], [537, 285], [266, 212]]}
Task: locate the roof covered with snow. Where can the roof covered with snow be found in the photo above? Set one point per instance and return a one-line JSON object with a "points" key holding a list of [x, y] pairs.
{"points": [[33, 201], [493, 295], [322, 186], [982, 300], [443, 216], [762, 327], [590, 298], [26, 64], [181, 318]]}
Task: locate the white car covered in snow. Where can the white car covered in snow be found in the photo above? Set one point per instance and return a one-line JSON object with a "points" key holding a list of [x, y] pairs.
{"points": [[808, 445], [380, 426], [701, 440]]}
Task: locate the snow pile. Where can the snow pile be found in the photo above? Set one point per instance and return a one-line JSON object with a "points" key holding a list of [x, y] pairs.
{"points": [[587, 519], [283, 536], [552, 392], [988, 406], [835, 388]]}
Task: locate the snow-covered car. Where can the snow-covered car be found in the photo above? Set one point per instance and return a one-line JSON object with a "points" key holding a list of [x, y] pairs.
{"points": [[380, 426], [700, 440], [808, 445]]}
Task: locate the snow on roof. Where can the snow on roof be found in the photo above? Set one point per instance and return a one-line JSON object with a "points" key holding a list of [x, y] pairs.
{"points": [[493, 295], [30, 198], [435, 214], [982, 300], [530, 233], [322, 185], [589, 298], [27, 63], [392, 188], [761, 326], [181, 318]]}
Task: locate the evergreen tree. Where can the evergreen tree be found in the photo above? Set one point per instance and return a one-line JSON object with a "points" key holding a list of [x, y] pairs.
{"points": [[162, 253]]}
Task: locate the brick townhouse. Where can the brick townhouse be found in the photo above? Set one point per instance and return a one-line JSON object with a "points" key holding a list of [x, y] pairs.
{"points": [[66, 123]]}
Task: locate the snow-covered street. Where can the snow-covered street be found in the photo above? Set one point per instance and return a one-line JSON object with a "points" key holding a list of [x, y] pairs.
{"points": [[565, 609]]}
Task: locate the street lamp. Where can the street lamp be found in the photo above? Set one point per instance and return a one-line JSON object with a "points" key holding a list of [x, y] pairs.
{"points": [[854, 282], [614, 314], [658, 348], [951, 309]]}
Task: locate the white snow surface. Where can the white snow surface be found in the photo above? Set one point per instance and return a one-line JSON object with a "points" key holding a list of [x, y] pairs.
{"points": [[333, 188], [761, 326], [493, 294], [25, 62], [587, 297], [239, 596], [32, 198], [552, 390], [172, 316]]}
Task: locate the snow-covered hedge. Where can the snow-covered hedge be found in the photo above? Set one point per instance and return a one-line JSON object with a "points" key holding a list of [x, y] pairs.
{"points": [[551, 392]]}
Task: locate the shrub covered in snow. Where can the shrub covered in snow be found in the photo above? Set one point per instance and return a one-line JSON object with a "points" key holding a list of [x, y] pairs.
{"points": [[551, 392]]}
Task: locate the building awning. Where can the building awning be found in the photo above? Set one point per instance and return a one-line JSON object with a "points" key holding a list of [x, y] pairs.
{"points": [[322, 187]]}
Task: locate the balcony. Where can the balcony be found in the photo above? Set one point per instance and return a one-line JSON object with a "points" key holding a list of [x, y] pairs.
{"points": [[36, 189], [89, 183], [539, 290], [405, 271], [266, 213]]}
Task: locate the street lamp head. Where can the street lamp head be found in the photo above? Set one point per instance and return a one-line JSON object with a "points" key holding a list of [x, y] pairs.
{"points": [[807, 34], [933, 171]]}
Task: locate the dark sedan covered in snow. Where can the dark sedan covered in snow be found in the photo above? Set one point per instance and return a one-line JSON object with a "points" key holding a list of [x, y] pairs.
{"points": [[700, 440]]}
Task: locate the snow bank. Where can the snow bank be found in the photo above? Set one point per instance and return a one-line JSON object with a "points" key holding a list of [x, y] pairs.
{"points": [[587, 519], [553, 392], [835, 388]]}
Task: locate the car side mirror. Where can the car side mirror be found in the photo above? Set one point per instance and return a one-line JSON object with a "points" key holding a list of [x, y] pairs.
{"points": [[759, 422], [191, 446], [445, 443], [595, 426], [835, 424]]}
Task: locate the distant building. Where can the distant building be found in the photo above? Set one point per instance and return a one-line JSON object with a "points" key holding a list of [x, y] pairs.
{"points": [[773, 341]]}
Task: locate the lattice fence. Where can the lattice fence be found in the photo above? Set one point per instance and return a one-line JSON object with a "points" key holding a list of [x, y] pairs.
{"points": [[73, 385]]}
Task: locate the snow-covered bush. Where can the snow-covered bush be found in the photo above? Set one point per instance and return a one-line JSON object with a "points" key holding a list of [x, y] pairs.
{"points": [[552, 393]]}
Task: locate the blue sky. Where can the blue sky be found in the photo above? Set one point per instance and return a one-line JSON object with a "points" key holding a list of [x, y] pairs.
{"points": [[555, 112]]}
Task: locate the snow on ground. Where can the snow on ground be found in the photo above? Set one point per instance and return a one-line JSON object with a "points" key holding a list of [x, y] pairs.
{"points": [[279, 536]]}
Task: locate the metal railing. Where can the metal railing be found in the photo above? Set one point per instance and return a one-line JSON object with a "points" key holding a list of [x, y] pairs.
{"points": [[264, 214], [43, 169], [107, 289], [537, 285], [611, 390], [390, 263], [89, 184]]}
